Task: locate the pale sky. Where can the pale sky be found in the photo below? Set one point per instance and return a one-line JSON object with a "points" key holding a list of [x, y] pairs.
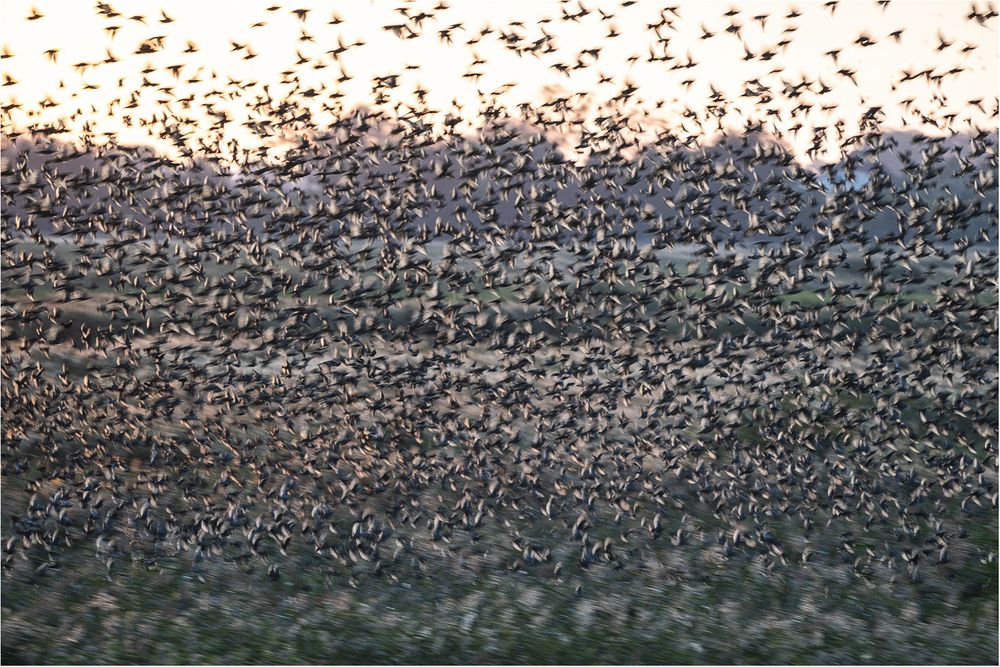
{"points": [[78, 32]]}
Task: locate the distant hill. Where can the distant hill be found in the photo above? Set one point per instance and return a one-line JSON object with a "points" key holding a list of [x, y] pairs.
{"points": [[736, 187]]}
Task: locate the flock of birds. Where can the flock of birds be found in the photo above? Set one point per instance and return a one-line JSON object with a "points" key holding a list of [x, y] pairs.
{"points": [[393, 350]]}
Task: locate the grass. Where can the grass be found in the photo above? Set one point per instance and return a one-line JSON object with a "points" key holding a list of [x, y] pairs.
{"points": [[721, 614]]}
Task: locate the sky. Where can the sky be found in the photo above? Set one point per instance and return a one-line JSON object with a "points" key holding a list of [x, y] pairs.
{"points": [[79, 76]]}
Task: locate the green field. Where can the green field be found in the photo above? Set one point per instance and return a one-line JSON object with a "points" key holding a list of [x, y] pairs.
{"points": [[469, 599]]}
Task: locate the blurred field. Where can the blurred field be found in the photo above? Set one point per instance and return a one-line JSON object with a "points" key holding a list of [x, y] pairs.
{"points": [[691, 611], [672, 604]]}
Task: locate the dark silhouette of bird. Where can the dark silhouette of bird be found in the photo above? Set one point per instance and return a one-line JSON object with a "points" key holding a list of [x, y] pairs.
{"points": [[568, 341]]}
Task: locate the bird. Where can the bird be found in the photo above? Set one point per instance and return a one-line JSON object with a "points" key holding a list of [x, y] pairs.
{"points": [[557, 340]]}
